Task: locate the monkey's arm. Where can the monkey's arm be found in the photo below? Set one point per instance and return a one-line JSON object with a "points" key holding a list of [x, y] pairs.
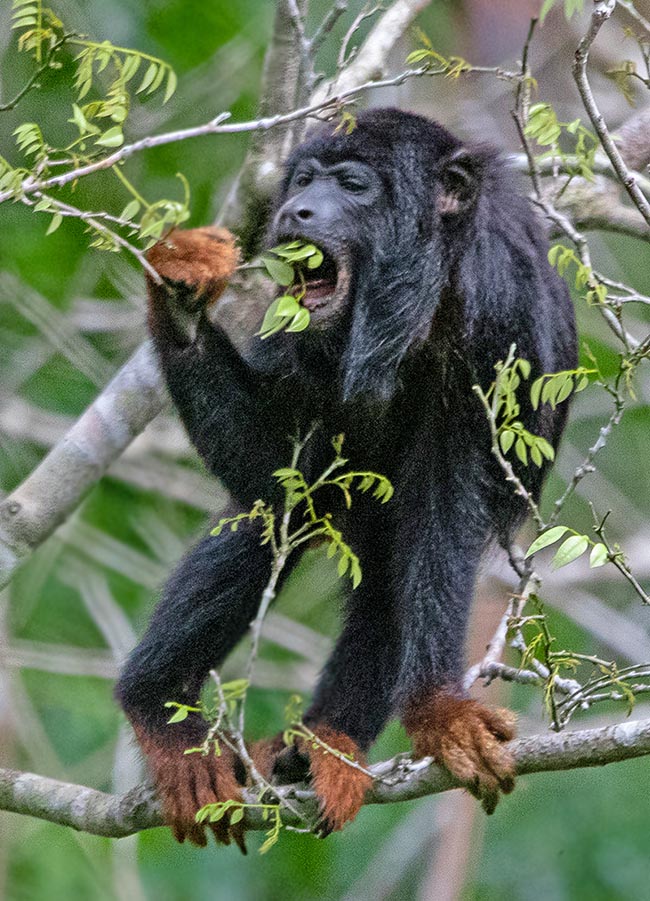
{"points": [[228, 409]]}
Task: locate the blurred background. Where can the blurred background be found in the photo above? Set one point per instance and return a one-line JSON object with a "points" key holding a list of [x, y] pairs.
{"points": [[69, 317]]}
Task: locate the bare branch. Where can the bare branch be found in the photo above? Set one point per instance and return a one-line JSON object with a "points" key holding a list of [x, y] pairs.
{"points": [[399, 779], [602, 12]]}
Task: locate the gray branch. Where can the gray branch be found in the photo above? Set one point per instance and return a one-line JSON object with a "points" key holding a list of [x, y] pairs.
{"points": [[63, 478], [399, 779]]}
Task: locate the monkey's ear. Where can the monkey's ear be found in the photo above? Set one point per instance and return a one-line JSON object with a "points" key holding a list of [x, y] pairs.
{"points": [[460, 182]]}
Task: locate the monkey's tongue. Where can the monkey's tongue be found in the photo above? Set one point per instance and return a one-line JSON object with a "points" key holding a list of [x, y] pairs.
{"points": [[317, 292]]}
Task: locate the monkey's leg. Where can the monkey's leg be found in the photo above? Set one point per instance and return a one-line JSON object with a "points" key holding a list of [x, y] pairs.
{"points": [[352, 702], [435, 584], [206, 607]]}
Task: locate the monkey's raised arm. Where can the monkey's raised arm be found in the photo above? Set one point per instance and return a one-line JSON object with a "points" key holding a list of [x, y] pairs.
{"points": [[227, 408]]}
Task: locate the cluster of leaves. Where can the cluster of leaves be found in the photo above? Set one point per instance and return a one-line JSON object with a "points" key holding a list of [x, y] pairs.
{"points": [[285, 266], [543, 126], [571, 548], [511, 430], [562, 257], [552, 388], [110, 71], [271, 812], [450, 67], [299, 493], [608, 681]]}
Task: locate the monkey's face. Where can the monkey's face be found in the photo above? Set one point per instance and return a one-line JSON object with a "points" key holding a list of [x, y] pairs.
{"points": [[329, 205]]}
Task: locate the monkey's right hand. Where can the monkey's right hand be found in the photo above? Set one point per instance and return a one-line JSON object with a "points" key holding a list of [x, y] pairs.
{"points": [[195, 266]]}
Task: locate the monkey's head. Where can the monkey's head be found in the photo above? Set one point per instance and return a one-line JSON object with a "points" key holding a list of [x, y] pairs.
{"points": [[389, 204]]}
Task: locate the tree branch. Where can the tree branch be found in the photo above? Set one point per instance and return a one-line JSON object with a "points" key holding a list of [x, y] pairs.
{"points": [[60, 482], [399, 779], [602, 12]]}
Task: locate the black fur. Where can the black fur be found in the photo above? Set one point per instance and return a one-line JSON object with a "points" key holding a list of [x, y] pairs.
{"points": [[448, 268]]}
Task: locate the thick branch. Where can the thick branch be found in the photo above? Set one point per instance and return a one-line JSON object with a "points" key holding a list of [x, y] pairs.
{"points": [[371, 61], [399, 779], [60, 482]]}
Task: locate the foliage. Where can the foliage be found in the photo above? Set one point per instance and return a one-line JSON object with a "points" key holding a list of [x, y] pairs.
{"points": [[543, 126], [285, 264], [108, 73], [317, 526]]}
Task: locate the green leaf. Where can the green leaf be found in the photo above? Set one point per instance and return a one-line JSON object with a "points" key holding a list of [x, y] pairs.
{"points": [[287, 306], [300, 321], [564, 391], [149, 76], [598, 556], [114, 137], [546, 538], [315, 260], [280, 272], [237, 816], [545, 447], [506, 440], [524, 368], [520, 450], [130, 210], [172, 82], [130, 67], [570, 550], [178, 716], [57, 219], [536, 455]]}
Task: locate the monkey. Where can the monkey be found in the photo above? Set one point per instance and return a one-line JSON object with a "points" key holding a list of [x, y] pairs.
{"points": [[433, 266]]}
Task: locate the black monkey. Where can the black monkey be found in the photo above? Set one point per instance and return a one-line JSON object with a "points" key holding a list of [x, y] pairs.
{"points": [[434, 265]]}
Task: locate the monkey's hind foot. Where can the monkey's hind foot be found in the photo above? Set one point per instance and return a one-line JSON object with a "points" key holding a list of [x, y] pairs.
{"points": [[335, 774], [469, 740], [187, 782]]}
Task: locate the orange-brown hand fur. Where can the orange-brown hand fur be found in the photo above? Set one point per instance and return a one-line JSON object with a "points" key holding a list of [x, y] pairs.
{"points": [[339, 787], [204, 259], [186, 782], [468, 739]]}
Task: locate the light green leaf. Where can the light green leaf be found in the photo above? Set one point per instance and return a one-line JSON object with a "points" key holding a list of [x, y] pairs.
{"points": [[114, 137], [300, 321], [598, 556], [172, 82], [506, 440], [57, 219], [130, 210], [520, 450], [546, 538], [280, 272], [149, 76], [570, 550], [287, 306]]}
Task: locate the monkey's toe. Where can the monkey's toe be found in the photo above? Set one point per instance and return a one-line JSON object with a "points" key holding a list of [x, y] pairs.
{"points": [[469, 740]]}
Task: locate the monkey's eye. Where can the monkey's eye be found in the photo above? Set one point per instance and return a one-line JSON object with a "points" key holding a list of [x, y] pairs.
{"points": [[353, 185], [302, 179]]}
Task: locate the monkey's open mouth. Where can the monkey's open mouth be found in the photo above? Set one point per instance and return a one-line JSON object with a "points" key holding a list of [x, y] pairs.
{"points": [[320, 284]]}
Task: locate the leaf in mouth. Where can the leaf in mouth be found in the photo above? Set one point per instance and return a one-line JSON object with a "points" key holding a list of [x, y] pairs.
{"points": [[283, 264]]}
